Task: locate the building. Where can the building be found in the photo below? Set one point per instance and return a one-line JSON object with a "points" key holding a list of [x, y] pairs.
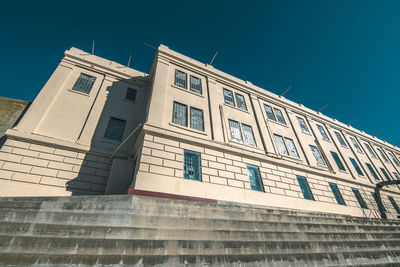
{"points": [[190, 131], [11, 110]]}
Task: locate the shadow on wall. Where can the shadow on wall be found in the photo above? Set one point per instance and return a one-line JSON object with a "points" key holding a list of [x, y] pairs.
{"points": [[123, 111]]}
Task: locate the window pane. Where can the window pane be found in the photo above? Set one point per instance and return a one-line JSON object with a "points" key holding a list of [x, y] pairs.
{"points": [[115, 130], [337, 194], [359, 198], [393, 158], [179, 115], [370, 150], [195, 85], [338, 161], [382, 154], [394, 204], [196, 119], [255, 178], [84, 83], [270, 113], [355, 165], [191, 165], [379, 203], [248, 135], [317, 155], [180, 79], [228, 97], [291, 147], [396, 175], [358, 148], [236, 134], [303, 125], [385, 174], [371, 169], [131, 94], [323, 133], [305, 188], [240, 102], [340, 138], [281, 145], [279, 116]]}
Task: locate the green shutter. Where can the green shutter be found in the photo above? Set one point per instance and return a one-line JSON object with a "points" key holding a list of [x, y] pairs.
{"points": [[337, 194], [359, 198], [338, 161], [305, 188], [394, 204]]}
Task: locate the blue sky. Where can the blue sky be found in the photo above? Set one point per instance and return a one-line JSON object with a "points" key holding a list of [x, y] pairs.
{"points": [[342, 53]]}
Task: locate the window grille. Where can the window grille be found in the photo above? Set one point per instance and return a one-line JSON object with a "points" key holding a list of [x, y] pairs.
{"points": [[131, 94], [236, 134], [317, 155], [338, 161], [337, 194], [115, 130], [279, 116], [248, 135], [359, 198], [196, 119], [180, 79], [228, 97], [179, 114], [394, 159], [370, 150], [281, 145], [270, 112], [358, 148], [291, 147], [382, 154], [84, 83], [323, 133], [195, 85], [305, 188], [240, 102], [340, 138], [303, 125], [255, 178], [191, 165]]}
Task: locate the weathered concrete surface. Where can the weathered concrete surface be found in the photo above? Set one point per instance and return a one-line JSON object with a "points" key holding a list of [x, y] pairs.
{"points": [[142, 231], [10, 112]]}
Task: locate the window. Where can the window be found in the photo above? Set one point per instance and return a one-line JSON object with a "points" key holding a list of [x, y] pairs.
{"points": [[180, 79], [191, 165], [84, 83], [305, 188], [371, 169], [385, 174], [370, 150], [286, 146], [355, 165], [196, 119], [359, 198], [340, 139], [255, 178], [179, 114], [379, 203], [130, 94], [337, 194], [317, 155], [394, 204], [394, 159], [115, 130], [382, 154], [338, 161], [274, 114], [240, 102], [323, 133], [230, 100], [303, 125], [396, 175], [228, 97], [236, 133], [358, 148], [195, 85]]}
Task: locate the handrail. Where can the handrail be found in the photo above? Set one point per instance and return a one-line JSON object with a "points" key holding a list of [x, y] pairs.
{"points": [[123, 142]]}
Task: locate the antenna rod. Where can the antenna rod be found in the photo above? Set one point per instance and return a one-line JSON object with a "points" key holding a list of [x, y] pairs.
{"points": [[146, 44], [290, 87], [397, 144], [378, 133], [324, 107], [93, 48], [353, 121], [129, 60], [212, 60]]}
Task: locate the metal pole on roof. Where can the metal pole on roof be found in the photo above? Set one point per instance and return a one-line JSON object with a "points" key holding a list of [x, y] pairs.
{"points": [[353, 122], [93, 47], [378, 133], [287, 90], [212, 60], [324, 107], [146, 44], [129, 60]]}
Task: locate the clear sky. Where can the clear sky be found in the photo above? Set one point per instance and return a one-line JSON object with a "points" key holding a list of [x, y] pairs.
{"points": [[342, 53]]}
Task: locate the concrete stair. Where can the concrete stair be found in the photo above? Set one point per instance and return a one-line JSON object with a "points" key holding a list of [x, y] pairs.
{"points": [[146, 231]]}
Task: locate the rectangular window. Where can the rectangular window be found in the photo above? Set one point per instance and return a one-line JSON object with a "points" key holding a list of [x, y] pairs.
{"points": [[130, 94], [370, 150], [357, 147], [115, 130], [228, 97], [340, 139], [303, 125], [270, 112], [279, 116], [396, 175], [382, 154], [394, 204], [195, 85], [379, 203], [84, 83], [338, 161], [355, 165], [291, 147], [248, 135], [393, 158], [337, 194], [191, 165], [236, 134], [196, 119], [323, 133], [240, 102], [305, 188], [317, 155], [385, 174], [281, 145], [371, 169], [255, 178], [179, 115], [180, 79], [359, 198]]}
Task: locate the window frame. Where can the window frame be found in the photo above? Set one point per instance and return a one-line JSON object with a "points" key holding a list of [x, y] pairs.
{"points": [[359, 198], [305, 187], [319, 152], [356, 166], [306, 131], [89, 79], [339, 163], [175, 79], [191, 119], [108, 129], [323, 132], [340, 138], [186, 114], [369, 149], [244, 101], [275, 117], [394, 159], [285, 140], [356, 145], [371, 170], [382, 154], [385, 174], [258, 178], [337, 194], [128, 93], [242, 133], [201, 85], [198, 155], [394, 204]]}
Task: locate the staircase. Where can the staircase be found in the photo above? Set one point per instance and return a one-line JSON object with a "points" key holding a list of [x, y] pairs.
{"points": [[138, 231]]}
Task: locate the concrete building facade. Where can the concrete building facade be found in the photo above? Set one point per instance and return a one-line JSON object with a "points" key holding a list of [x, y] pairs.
{"points": [[190, 130]]}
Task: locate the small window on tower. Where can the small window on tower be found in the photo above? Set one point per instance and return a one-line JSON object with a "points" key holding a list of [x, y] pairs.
{"points": [[131, 94], [84, 83]]}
